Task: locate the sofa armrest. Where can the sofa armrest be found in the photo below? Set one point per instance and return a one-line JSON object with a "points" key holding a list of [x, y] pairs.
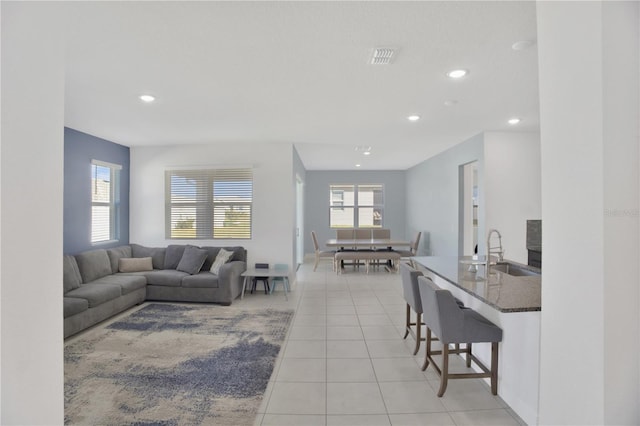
{"points": [[230, 277]]}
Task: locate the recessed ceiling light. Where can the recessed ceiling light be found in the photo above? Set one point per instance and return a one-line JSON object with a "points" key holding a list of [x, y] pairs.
{"points": [[514, 120], [522, 45], [367, 153], [147, 98], [457, 73], [357, 165], [413, 118]]}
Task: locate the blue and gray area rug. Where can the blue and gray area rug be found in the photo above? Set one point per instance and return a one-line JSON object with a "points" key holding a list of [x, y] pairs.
{"points": [[171, 364]]}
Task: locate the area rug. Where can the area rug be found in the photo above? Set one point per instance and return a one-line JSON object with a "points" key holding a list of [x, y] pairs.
{"points": [[173, 364]]}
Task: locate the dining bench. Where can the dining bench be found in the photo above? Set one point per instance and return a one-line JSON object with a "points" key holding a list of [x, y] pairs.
{"points": [[367, 257]]}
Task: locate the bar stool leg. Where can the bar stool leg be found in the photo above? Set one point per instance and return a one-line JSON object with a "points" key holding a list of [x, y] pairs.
{"points": [[407, 323], [418, 332], [444, 376], [494, 368], [468, 352], [427, 352]]}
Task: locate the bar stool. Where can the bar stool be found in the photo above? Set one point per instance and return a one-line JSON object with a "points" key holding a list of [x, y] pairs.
{"points": [[411, 295], [454, 324]]}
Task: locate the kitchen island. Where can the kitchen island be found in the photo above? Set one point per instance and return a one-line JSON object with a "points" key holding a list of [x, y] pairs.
{"points": [[511, 302]]}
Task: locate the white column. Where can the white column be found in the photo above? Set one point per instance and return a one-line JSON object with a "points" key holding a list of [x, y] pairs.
{"points": [[31, 215], [590, 332]]}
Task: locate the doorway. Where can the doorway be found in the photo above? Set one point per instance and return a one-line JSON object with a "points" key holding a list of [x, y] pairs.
{"points": [[468, 211], [299, 220]]}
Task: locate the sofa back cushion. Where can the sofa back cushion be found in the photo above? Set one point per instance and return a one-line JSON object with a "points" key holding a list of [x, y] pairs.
{"points": [[117, 253], [239, 253], [156, 254], [172, 255], [71, 273], [93, 264], [192, 260]]}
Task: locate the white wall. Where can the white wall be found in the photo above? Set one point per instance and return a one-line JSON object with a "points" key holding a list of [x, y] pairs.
{"points": [[273, 194], [433, 198], [31, 215], [512, 189], [589, 142]]}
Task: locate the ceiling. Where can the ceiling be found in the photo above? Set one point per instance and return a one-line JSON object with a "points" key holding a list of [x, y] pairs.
{"points": [[300, 72]]}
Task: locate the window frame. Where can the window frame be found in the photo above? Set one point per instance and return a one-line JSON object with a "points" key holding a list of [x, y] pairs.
{"points": [[206, 205], [113, 204], [356, 206]]}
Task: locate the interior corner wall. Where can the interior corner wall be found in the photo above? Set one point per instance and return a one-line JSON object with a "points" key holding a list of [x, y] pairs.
{"points": [[79, 149], [512, 183], [433, 198], [273, 223], [31, 214], [317, 200], [589, 142]]}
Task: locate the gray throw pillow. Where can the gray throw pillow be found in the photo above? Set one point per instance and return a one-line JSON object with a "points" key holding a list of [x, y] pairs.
{"points": [[71, 274], [173, 255], [192, 260]]}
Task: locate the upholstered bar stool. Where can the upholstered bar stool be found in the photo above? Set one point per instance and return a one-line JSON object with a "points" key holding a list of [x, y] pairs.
{"points": [[411, 295], [454, 324]]}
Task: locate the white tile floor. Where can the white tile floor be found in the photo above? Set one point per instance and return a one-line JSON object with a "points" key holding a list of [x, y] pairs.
{"points": [[344, 361]]}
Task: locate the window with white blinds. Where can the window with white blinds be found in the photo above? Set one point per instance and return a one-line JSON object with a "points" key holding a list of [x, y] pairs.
{"points": [[208, 204], [356, 206], [105, 201]]}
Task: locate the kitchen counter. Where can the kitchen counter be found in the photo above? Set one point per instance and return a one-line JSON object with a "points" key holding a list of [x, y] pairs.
{"points": [[513, 304], [504, 292]]}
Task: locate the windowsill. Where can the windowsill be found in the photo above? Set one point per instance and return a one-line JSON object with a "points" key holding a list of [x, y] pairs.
{"points": [[103, 243]]}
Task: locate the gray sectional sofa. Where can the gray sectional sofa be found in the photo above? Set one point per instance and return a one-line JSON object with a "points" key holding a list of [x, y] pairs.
{"points": [[101, 283]]}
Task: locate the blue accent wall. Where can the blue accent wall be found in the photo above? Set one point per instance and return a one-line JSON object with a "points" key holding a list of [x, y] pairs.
{"points": [[79, 149]]}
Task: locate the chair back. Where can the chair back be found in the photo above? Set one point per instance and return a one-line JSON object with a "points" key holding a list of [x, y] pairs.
{"points": [[344, 234], [441, 312], [316, 247], [415, 243], [281, 267], [262, 266], [363, 234], [410, 288], [380, 234]]}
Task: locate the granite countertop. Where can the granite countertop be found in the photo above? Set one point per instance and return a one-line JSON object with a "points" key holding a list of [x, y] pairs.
{"points": [[503, 292]]}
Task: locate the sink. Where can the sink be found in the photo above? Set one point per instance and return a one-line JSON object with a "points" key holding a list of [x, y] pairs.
{"points": [[514, 270]]}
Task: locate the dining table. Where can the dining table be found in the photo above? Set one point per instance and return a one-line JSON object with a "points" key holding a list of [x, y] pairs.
{"points": [[367, 242]]}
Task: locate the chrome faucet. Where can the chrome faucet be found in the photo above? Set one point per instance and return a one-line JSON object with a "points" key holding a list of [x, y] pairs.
{"points": [[498, 250]]}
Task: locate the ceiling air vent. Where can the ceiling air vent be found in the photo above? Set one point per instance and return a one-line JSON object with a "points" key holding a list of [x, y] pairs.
{"points": [[382, 55]]}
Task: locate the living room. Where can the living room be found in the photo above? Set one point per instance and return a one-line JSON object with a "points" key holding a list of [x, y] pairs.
{"points": [[33, 116]]}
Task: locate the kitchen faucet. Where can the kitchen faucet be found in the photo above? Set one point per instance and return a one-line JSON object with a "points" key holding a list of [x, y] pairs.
{"points": [[498, 250]]}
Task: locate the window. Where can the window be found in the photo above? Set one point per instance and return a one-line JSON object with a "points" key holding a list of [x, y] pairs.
{"points": [[105, 201], [356, 206], [209, 204]]}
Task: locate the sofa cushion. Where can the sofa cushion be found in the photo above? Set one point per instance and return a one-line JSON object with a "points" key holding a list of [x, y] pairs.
{"points": [[222, 258], [127, 282], [135, 264], [201, 280], [115, 254], [192, 260], [239, 253], [173, 255], [71, 273], [165, 277], [96, 294], [74, 306], [93, 264], [155, 253]]}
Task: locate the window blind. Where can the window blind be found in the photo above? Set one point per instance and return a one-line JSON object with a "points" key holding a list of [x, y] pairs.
{"points": [[209, 203], [104, 201]]}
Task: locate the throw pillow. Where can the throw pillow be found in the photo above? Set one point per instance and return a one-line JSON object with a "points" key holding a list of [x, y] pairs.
{"points": [[222, 258], [192, 260], [135, 264]]}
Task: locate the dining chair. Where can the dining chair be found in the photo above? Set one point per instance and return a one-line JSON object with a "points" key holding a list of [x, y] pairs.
{"points": [[345, 234], [265, 280], [454, 324], [322, 253], [284, 280], [380, 233], [362, 234], [413, 247]]}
